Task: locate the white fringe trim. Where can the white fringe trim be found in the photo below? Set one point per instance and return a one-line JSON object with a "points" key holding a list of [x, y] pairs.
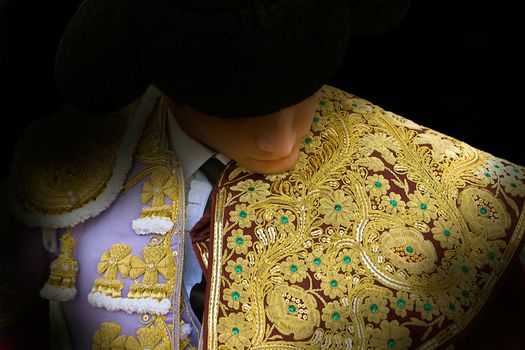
{"points": [[103, 201], [159, 225], [140, 305], [185, 331], [50, 292]]}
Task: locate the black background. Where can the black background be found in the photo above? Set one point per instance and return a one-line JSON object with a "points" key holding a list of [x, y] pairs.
{"points": [[449, 65]]}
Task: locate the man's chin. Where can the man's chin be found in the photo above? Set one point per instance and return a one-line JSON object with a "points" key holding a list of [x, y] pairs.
{"points": [[271, 167]]}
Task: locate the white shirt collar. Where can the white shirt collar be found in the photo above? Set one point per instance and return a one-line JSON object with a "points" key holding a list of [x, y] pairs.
{"points": [[189, 152]]}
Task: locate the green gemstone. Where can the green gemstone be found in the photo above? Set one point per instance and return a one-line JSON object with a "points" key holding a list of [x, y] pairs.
{"points": [[465, 293], [238, 268], [243, 214], [427, 307], [239, 240], [308, 140], [487, 174], [235, 295], [496, 165], [483, 211], [374, 308], [347, 260], [491, 255], [401, 303], [452, 306], [391, 343], [292, 308], [316, 119], [354, 104], [235, 331], [336, 316], [464, 268], [338, 207], [378, 184], [333, 283], [251, 188], [317, 261], [446, 233], [284, 220], [294, 268], [393, 202], [423, 206], [322, 103], [410, 249], [513, 185]]}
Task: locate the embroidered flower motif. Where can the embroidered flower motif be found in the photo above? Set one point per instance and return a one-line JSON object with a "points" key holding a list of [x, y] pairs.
{"points": [[156, 260], [294, 269], [107, 337], [238, 269], [335, 316], [311, 143], [347, 260], [235, 295], [242, 216], [161, 184], [239, 242], [317, 262], [377, 185], [117, 259], [450, 307], [374, 308], [515, 171], [148, 338], [356, 105], [464, 292], [427, 307], [284, 221], [490, 253], [422, 206], [446, 233], [293, 311], [513, 186], [253, 191], [401, 303], [338, 209], [318, 123], [390, 335], [234, 332], [393, 203], [487, 174], [334, 285]]}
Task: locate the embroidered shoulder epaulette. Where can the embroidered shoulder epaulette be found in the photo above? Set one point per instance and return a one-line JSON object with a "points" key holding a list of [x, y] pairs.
{"points": [[70, 167], [385, 235]]}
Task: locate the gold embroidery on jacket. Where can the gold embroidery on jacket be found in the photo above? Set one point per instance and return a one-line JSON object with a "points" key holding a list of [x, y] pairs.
{"points": [[384, 235], [117, 259]]}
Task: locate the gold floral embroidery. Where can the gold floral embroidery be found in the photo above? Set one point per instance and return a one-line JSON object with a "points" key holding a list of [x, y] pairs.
{"points": [[116, 260], [253, 191], [239, 242], [161, 184], [156, 261], [293, 311], [235, 332], [148, 338], [390, 335], [387, 249], [107, 337]]}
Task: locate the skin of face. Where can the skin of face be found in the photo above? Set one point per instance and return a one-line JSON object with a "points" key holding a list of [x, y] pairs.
{"points": [[267, 144]]}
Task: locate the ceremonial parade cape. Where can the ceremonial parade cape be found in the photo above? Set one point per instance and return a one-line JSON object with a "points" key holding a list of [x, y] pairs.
{"points": [[385, 235]]}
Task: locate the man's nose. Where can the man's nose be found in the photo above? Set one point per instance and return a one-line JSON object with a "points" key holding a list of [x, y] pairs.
{"points": [[277, 135]]}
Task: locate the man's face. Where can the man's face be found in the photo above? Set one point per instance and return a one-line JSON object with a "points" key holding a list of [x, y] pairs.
{"points": [[268, 144]]}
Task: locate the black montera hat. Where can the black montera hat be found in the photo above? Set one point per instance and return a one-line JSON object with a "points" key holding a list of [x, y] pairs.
{"points": [[225, 58]]}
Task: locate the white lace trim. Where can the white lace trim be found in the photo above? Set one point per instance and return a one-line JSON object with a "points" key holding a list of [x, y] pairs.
{"points": [[156, 224], [139, 305]]}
